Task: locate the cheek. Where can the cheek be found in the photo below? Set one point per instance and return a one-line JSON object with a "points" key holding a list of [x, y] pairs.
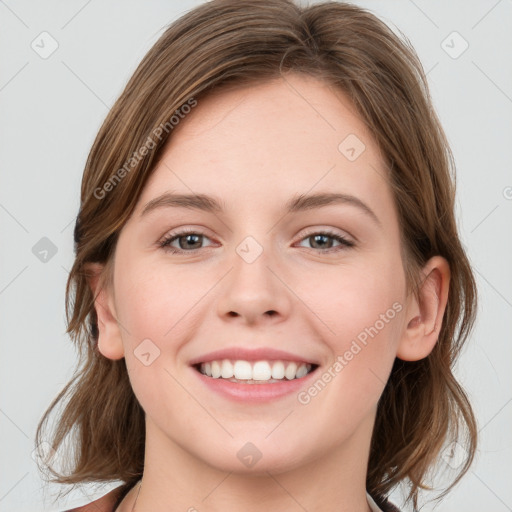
{"points": [[364, 315], [354, 301], [155, 309], [360, 310], [155, 302]]}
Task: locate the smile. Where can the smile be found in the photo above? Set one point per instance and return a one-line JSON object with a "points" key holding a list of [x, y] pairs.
{"points": [[255, 372], [254, 381]]}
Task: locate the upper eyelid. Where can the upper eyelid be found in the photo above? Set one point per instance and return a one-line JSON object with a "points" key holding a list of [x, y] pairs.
{"points": [[308, 231]]}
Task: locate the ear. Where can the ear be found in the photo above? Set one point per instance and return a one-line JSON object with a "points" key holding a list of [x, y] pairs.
{"points": [[424, 317], [110, 343]]}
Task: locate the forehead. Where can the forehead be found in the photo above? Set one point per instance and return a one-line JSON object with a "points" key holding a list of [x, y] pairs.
{"points": [[291, 135]]}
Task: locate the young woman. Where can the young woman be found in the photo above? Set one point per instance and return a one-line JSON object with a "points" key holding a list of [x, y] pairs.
{"points": [[269, 290]]}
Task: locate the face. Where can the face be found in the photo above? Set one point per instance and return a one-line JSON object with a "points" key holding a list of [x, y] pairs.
{"points": [[268, 270]]}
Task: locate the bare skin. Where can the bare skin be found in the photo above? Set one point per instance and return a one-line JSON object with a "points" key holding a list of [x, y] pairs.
{"points": [[255, 149]]}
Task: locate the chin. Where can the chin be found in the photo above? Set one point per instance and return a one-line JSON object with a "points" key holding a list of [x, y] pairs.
{"points": [[257, 458]]}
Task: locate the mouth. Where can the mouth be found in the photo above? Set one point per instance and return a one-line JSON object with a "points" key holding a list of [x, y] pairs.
{"points": [[255, 372]]}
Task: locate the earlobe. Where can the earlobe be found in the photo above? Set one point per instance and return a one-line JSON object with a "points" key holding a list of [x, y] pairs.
{"points": [[109, 338], [425, 314]]}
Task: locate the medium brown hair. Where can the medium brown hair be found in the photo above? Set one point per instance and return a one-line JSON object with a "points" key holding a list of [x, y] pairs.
{"points": [[227, 43]]}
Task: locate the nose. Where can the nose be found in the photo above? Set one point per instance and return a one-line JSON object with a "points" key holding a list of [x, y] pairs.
{"points": [[254, 292]]}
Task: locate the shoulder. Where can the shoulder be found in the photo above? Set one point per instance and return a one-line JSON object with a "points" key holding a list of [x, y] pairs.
{"points": [[380, 504], [104, 504], [385, 505]]}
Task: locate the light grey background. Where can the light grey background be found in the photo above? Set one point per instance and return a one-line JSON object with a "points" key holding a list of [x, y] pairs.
{"points": [[51, 110]]}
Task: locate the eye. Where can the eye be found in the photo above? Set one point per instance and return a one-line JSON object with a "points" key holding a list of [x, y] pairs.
{"points": [[322, 243], [188, 241]]}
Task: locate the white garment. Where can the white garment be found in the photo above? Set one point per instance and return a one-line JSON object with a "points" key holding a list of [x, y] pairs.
{"points": [[372, 504]]}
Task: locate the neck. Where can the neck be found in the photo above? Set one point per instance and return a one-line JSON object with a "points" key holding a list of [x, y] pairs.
{"points": [[333, 481]]}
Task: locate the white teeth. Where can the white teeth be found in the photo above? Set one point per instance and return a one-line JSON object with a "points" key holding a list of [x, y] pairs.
{"points": [[301, 371], [216, 371], [262, 371], [242, 370], [226, 369], [291, 371], [278, 370]]}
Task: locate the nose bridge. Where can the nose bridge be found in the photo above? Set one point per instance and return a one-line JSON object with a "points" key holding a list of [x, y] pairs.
{"points": [[253, 290]]}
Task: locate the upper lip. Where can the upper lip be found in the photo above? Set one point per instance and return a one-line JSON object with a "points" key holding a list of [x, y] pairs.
{"points": [[245, 354]]}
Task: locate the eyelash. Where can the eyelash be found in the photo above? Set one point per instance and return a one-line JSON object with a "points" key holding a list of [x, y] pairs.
{"points": [[166, 242]]}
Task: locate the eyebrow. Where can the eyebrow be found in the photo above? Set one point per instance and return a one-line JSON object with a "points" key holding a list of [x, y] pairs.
{"points": [[298, 203]]}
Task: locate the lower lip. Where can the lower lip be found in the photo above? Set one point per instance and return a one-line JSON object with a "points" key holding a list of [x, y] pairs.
{"points": [[255, 392]]}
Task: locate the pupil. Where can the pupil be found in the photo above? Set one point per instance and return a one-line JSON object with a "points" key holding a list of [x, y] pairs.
{"points": [[188, 237], [316, 237]]}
